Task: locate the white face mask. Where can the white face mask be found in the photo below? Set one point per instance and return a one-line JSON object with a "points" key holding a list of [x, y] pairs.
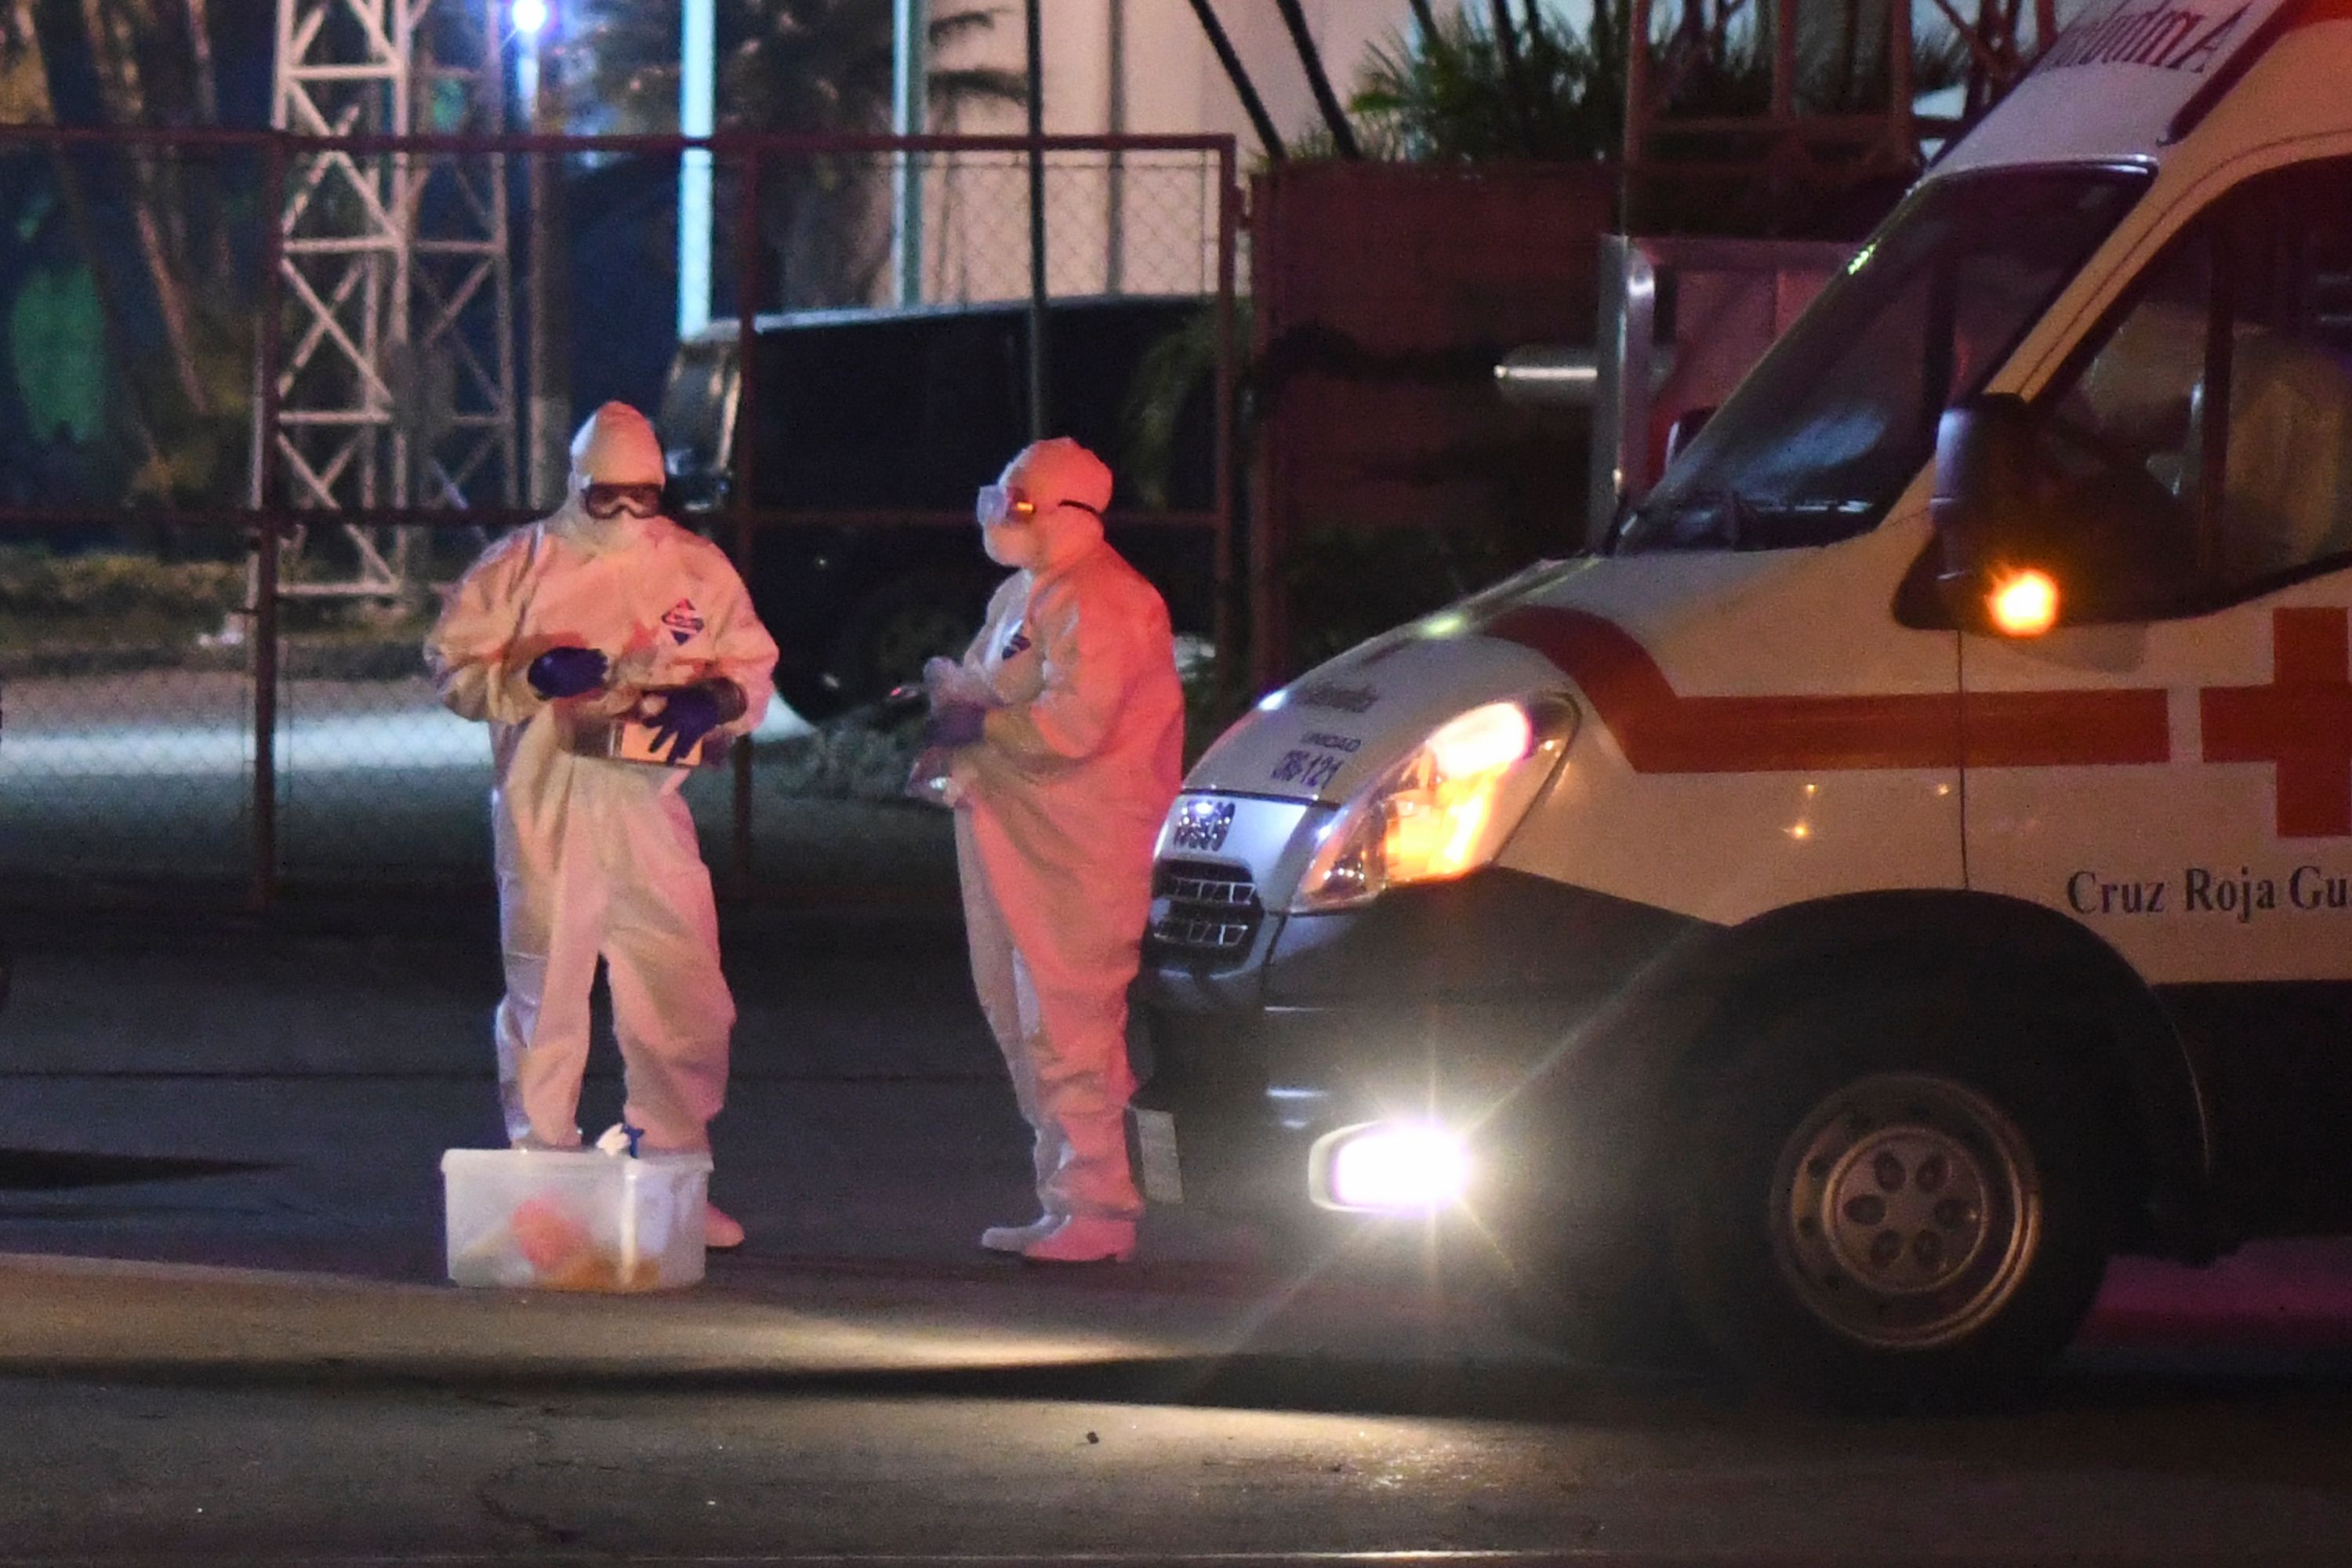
{"points": [[1011, 545]]}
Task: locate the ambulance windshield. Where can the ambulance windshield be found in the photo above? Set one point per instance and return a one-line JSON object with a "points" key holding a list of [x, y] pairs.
{"points": [[1824, 433]]}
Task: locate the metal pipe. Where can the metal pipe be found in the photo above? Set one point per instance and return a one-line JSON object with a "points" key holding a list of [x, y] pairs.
{"points": [[698, 115], [1040, 407], [781, 143], [1637, 108], [1269, 634], [1115, 121], [1515, 76], [1900, 73], [1784, 59], [550, 393], [1310, 60], [37, 520], [1244, 87], [1541, 375], [269, 491], [744, 499], [1228, 264], [910, 72]]}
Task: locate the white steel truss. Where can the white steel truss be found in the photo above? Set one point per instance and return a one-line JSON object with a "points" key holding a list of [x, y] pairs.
{"points": [[396, 376]]}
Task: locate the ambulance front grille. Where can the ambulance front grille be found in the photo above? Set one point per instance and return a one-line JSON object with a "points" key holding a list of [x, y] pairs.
{"points": [[1203, 910]]}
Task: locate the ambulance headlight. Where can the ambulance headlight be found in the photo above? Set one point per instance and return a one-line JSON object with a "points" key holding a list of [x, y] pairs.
{"points": [[1389, 1167], [1446, 809]]}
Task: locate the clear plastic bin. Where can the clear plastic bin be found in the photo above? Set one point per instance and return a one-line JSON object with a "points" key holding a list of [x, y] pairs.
{"points": [[573, 1219]]}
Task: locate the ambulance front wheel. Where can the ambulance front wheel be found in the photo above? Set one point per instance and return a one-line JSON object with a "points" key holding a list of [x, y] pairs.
{"points": [[1880, 1214]]}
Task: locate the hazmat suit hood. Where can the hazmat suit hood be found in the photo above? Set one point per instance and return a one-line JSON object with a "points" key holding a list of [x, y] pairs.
{"points": [[1070, 487], [617, 447]]}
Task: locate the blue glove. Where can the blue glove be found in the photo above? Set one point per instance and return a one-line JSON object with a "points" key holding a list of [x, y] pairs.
{"points": [[955, 724], [690, 712], [566, 671]]}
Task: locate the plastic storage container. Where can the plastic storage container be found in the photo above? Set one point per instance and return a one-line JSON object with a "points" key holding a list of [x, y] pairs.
{"points": [[573, 1219]]}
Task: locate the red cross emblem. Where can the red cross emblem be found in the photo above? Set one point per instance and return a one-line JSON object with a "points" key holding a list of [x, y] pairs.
{"points": [[2301, 723]]}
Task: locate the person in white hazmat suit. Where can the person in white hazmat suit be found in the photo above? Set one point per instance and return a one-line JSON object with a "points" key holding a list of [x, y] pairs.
{"points": [[603, 610], [1067, 729]]}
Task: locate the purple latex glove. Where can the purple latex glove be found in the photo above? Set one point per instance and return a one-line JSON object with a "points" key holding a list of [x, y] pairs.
{"points": [[566, 672], [955, 724], [690, 712]]}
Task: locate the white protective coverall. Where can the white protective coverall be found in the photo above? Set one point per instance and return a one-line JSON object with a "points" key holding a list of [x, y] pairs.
{"points": [[598, 857], [1058, 808]]}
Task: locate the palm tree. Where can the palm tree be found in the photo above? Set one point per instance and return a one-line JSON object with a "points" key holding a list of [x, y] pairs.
{"points": [[802, 66]]}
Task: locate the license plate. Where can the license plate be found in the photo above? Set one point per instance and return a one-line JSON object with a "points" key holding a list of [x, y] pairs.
{"points": [[1155, 1140]]}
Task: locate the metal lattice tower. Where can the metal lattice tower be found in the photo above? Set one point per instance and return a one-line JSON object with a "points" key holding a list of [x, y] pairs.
{"points": [[396, 380]]}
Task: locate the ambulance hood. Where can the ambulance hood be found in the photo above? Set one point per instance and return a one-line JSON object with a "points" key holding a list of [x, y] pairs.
{"points": [[1338, 728]]}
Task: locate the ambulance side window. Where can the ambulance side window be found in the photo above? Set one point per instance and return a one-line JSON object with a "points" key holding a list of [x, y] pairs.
{"points": [[2228, 380], [2136, 396]]}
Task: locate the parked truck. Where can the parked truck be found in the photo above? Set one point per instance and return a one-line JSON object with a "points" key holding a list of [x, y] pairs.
{"points": [[871, 431]]}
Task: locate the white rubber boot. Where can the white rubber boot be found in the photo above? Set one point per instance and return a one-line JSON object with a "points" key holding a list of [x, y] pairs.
{"points": [[1019, 1237], [719, 1231], [1083, 1240]]}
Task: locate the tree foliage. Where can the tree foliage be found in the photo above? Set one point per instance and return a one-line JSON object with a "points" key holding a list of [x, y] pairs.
{"points": [[154, 231], [1472, 88], [1466, 89]]}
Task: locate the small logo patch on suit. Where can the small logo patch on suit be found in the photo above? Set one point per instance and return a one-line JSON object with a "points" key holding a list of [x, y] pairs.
{"points": [[1017, 642], [682, 620]]}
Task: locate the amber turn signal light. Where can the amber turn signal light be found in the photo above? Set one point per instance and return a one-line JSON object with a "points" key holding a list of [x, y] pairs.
{"points": [[2024, 604]]}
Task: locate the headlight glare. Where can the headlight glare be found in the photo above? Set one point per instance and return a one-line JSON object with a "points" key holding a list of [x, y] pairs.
{"points": [[1446, 809], [1391, 1167]]}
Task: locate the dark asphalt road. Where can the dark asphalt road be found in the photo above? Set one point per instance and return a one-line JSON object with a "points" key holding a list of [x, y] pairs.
{"points": [[271, 1373]]}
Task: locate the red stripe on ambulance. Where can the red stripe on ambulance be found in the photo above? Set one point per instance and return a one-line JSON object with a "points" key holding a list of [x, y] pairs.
{"points": [[1662, 732]]}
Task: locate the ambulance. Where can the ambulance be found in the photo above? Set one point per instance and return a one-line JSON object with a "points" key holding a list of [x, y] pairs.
{"points": [[1909, 862]]}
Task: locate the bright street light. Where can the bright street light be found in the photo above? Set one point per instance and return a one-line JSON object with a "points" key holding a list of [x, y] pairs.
{"points": [[529, 16]]}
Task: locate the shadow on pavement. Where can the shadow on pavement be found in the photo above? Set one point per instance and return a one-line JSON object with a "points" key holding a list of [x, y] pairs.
{"points": [[1244, 1381], [50, 1170]]}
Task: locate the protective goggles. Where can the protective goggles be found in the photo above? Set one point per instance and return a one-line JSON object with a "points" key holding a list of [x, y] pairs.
{"points": [[1001, 504], [606, 501]]}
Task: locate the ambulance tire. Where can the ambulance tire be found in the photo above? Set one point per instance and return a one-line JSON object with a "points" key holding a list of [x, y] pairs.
{"points": [[1883, 1211]]}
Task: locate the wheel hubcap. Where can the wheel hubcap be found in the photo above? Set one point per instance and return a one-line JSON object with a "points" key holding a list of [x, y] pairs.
{"points": [[1908, 1208], [1904, 1209]]}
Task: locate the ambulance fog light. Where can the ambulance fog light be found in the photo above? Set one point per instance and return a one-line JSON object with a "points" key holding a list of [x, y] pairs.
{"points": [[1389, 1167]]}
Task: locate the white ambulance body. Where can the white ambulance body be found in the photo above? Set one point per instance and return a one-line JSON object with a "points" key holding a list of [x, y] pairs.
{"points": [[1913, 861]]}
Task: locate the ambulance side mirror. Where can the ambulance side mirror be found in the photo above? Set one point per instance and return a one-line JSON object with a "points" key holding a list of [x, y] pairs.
{"points": [[2036, 531], [1988, 507]]}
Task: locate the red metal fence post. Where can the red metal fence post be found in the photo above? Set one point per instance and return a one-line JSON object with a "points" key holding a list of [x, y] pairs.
{"points": [[268, 523], [1268, 630], [747, 332], [1228, 246]]}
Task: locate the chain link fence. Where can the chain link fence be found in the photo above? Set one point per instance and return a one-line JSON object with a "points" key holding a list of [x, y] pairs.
{"points": [[267, 397]]}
